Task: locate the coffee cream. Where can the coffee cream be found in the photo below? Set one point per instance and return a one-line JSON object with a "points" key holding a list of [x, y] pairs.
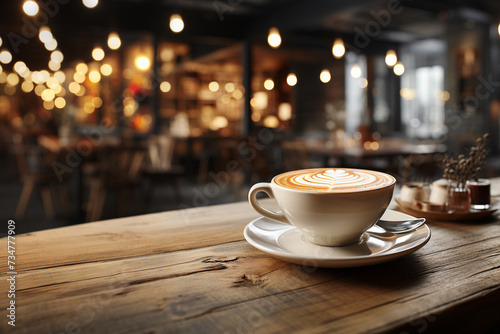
{"points": [[334, 180]]}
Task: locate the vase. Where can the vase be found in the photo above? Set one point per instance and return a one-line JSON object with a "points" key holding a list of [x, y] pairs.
{"points": [[459, 198]]}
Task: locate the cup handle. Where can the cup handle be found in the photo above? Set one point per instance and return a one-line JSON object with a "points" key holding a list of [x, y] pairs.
{"points": [[252, 198]]}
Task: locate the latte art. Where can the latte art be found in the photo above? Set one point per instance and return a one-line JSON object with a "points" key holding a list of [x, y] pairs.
{"points": [[334, 180]]}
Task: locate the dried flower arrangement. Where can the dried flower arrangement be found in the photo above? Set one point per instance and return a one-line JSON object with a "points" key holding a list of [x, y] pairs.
{"points": [[461, 169]]}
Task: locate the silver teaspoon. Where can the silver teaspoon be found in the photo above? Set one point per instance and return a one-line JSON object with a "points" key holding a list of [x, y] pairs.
{"points": [[401, 226], [382, 227]]}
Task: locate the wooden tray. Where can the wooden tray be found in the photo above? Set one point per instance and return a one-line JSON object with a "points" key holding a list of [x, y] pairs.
{"points": [[444, 215]]}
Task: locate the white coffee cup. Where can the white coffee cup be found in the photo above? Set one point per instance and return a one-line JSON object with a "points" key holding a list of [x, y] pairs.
{"points": [[330, 206]]}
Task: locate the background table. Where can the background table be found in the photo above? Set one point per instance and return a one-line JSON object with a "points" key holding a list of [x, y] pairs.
{"points": [[191, 271]]}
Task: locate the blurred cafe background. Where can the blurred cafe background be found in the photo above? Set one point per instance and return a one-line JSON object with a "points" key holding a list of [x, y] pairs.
{"points": [[122, 107]]}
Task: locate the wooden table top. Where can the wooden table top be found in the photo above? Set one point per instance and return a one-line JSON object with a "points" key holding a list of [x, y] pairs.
{"points": [[191, 271]]}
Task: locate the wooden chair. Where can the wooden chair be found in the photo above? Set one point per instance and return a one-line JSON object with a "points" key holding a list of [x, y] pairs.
{"points": [[35, 172], [162, 167], [118, 171]]}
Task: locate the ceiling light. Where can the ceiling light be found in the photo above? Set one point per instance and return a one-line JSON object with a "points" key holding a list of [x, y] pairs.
{"points": [[90, 3], [391, 58], [142, 63], [399, 68], [176, 23], [338, 48], [5, 57], [165, 86], [30, 8], [106, 69], [291, 79], [325, 76], [355, 71], [269, 84], [44, 34], [213, 86], [51, 45], [114, 41], [94, 76], [98, 53], [274, 38]]}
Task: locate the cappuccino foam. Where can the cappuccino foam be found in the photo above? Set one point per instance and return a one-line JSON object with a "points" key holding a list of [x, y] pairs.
{"points": [[334, 180]]}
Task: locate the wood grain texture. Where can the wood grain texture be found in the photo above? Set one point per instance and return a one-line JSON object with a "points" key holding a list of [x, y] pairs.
{"points": [[191, 271]]}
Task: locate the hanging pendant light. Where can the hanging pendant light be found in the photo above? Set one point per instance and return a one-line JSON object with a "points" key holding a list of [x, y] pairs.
{"points": [[338, 48], [176, 23], [274, 38], [391, 58]]}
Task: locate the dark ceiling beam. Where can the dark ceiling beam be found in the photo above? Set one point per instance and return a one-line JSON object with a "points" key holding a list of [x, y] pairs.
{"points": [[299, 14]]}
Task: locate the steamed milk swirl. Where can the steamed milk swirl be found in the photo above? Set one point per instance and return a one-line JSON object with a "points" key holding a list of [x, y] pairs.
{"points": [[334, 180]]}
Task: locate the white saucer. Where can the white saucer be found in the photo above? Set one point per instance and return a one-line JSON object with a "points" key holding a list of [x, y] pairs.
{"points": [[285, 242]]}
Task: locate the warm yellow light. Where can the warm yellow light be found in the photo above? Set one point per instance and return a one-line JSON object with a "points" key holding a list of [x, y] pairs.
{"points": [[291, 79], [98, 53], [285, 111], [399, 68], [27, 86], [445, 96], [338, 48], [82, 68], [57, 88], [355, 71], [52, 82], [79, 77], [218, 122], [54, 66], [229, 87], [269, 84], [165, 86], [325, 76], [49, 105], [94, 76], [43, 76], [48, 95], [176, 23], [12, 79], [97, 102], [106, 69], [271, 121], [90, 3], [499, 28], [44, 34], [114, 41], [30, 8], [256, 117], [1, 41], [57, 56], [51, 45], [60, 76], [60, 102], [363, 83], [39, 89], [213, 86], [5, 57], [81, 91], [20, 67], [237, 94], [391, 58], [88, 108], [74, 87], [142, 63], [274, 38]]}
